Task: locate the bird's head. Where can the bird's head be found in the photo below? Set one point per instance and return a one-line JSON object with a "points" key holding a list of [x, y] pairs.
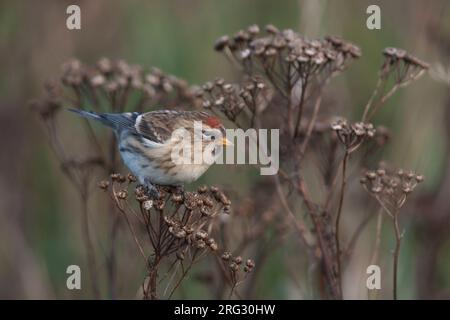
{"points": [[212, 131], [199, 132]]}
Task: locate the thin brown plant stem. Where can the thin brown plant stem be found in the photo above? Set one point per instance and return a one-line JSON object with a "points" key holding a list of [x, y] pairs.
{"points": [[152, 277], [322, 242], [300, 226], [310, 128], [354, 238], [382, 100], [398, 239], [338, 218], [111, 260], [300, 107], [332, 187], [376, 247], [390, 93], [185, 271], [233, 287], [130, 226], [326, 259], [89, 247], [372, 98], [290, 111]]}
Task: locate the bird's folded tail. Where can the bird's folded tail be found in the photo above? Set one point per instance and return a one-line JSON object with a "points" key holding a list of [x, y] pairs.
{"points": [[116, 121]]}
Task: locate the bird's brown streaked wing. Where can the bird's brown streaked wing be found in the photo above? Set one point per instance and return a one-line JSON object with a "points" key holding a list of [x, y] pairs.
{"points": [[158, 126]]}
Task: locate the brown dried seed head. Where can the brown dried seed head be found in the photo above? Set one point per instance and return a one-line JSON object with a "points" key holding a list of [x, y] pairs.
{"points": [[208, 202], [241, 36], [237, 260], [221, 43], [177, 233], [131, 178], [200, 244], [177, 198], [147, 205], [407, 189], [104, 65], [188, 229], [226, 256], [226, 209], [104, 184], [97, 80], [201, 234], [234, 267], [371, 175], [334, 40], [376, 189], [270, 28], [270, 52], [390, 52], [358, 128], [253, 29], [208, 86], [219, 82], [419, 178], [250, 263], [205, 211], [122, 194], [169, 221], [115, 176]]}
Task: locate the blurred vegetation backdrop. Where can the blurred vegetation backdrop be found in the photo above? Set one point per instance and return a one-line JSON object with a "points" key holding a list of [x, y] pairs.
{"points": [[40, 229]]}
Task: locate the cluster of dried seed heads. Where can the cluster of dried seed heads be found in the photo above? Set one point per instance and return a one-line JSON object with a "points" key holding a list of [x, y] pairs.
{"points": [[279, 51], [391, 189], [231, 99], [403, 65], [235, 263], [352, 135]]}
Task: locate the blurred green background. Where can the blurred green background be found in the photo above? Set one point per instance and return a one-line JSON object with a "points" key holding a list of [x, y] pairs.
{"points": [[39, 226]]}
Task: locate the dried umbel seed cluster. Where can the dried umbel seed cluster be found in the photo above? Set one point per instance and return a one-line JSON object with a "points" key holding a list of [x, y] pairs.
{"points": [[50, 104], [186, 216], [231, 99], [118, 80], [406, 66], [179, 224], [285, 54], [207, 201], [391, 189], [235, 263], [352, 135], [197, 239]]}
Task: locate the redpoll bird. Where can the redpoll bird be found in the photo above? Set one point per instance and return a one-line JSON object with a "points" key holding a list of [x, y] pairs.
{"points": [[147, 141]]}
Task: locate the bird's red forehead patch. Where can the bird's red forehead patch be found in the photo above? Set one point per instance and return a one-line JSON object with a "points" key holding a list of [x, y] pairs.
{"points": [[212, 122]]}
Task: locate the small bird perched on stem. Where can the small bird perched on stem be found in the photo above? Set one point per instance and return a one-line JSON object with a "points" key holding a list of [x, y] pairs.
{"points": [[147, 143]]}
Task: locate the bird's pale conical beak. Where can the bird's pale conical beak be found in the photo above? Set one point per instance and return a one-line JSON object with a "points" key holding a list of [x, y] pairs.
{"points": [[226, 142]]}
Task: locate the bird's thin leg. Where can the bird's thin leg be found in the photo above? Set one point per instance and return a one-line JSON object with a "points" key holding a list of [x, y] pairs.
{"points": [[151, 189], [179, 188]]}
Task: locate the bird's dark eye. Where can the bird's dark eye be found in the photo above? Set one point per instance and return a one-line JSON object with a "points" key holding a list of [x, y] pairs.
{"points": [[213, 138]]}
